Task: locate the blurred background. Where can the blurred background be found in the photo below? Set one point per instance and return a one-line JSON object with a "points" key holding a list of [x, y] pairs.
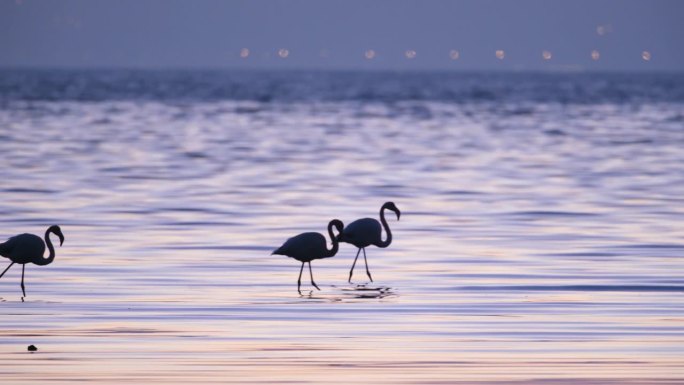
{"points": [[537, 35]]}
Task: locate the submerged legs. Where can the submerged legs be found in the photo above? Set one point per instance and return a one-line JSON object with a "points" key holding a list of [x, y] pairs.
{"points": [[8, 267], [299, 280], [365, 260], [23, 289], [353, 264], [311, 274]]}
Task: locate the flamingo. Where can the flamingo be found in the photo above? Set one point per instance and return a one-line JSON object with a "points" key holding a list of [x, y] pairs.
{"points": [[367, 231], [306, 247], [29, 248]]}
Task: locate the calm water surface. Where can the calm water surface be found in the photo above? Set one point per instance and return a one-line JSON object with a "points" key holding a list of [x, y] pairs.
{"points": [[541, 237]]}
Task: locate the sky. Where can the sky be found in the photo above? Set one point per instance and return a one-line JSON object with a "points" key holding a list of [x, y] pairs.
{"points": [[572, 35]]}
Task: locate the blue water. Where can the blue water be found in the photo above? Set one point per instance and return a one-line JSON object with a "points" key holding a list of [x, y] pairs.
{"points": [[307, 86], [541, 236]]}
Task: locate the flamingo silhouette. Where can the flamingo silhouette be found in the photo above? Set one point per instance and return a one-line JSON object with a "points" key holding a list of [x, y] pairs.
{"points": [[29, 248], [306, 247], [367, 231]]}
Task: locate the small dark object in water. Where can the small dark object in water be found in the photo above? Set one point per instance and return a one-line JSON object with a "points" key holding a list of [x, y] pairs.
{"points": [[32, 348]]}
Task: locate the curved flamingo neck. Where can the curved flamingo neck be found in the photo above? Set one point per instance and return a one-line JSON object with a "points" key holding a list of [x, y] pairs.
{"points": [[46, 261], [335, 243], [388, 240]]}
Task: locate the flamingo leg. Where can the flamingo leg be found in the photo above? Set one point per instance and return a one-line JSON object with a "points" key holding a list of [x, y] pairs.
{"points": [[23, 289], [353, 264], [299, 280], [8, 267], [311, 274], [365, 260]]}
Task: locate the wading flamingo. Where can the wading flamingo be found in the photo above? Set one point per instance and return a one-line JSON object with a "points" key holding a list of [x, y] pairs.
{"points": [[29, 248], [306, 247], [367, 231]]}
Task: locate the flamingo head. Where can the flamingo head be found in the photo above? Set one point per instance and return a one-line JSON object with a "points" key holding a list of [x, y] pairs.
{"points": [[393, 207], [58, 232], [339, 226]]}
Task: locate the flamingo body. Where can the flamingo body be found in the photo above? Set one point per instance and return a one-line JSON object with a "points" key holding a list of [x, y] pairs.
{"points": [[363, 233], [23, 248], [304, 247]]}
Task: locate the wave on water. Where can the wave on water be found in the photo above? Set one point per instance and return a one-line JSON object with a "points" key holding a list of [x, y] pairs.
{"points": [[589, 288], [285, 86]]}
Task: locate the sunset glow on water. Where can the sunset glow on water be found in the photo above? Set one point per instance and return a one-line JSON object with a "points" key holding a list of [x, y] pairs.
{"points": [[540, 238]]}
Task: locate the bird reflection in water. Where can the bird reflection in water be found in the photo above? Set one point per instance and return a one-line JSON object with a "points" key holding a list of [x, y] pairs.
{"points": [[367, 292]]}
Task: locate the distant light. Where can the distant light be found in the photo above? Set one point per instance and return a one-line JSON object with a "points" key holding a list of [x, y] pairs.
{"points": [[546, 55], [324, 53], [646, 55], [500, 54], [283, 53], [410, 54], [454, 55], [369, 54], [604, 29], [595, 55], [244, 53]]}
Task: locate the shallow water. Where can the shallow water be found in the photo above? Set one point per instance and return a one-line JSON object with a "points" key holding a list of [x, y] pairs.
{"points": [[540, 239]]}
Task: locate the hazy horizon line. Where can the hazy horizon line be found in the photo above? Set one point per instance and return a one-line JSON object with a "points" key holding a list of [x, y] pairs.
{"points": [[179, 68]]}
